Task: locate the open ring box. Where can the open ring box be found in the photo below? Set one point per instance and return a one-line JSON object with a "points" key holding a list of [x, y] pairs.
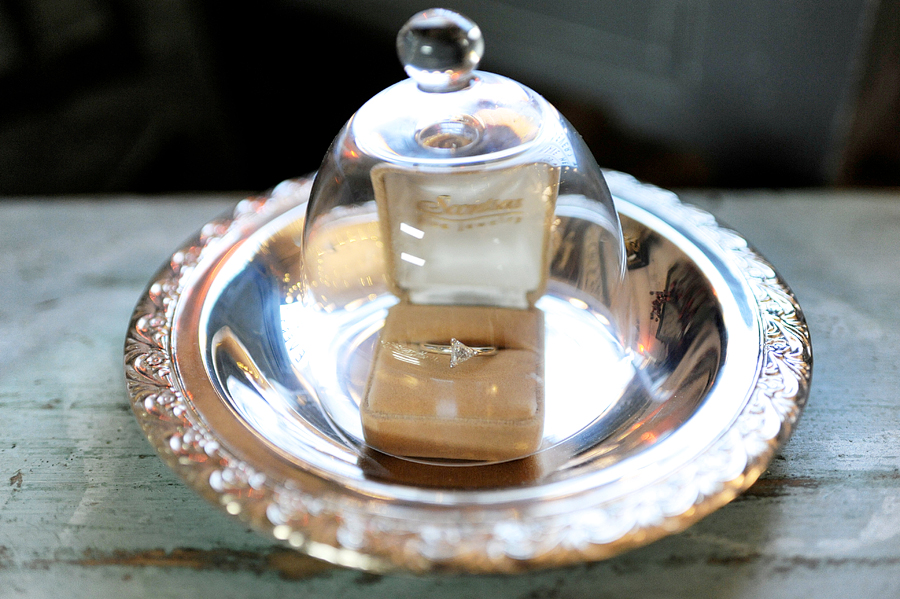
{"points": [[492, 255]]}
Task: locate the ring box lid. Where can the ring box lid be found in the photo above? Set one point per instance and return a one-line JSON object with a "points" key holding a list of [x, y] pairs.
{"points": [[467, 236]]}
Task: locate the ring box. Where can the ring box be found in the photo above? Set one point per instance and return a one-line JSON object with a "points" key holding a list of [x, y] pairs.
{"points": [[466, 252]]}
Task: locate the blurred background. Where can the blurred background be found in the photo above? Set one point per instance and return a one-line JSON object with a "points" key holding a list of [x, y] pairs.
{"points": [[180, 95]]}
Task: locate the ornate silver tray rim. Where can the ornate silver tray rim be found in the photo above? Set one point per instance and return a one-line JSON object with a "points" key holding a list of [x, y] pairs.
{"points": [[354, 529]]}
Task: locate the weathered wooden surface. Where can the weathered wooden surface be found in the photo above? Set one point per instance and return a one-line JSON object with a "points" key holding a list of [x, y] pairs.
{"points": [[87, 510]]}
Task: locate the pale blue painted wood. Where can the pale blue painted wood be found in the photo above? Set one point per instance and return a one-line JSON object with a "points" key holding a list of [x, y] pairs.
{"points": [[87, 510]]}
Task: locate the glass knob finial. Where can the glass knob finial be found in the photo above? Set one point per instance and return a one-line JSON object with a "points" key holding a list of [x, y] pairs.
{"points": [[439, 49]]}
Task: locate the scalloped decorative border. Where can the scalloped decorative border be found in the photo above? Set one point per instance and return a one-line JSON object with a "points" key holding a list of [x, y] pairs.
{"points": [[349, 532]]}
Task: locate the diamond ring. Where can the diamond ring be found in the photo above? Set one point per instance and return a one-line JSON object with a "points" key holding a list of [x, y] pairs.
{"points": [[458, 351]]}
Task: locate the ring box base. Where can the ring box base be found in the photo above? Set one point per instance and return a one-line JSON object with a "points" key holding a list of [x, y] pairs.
{"points": [[487, 408]]}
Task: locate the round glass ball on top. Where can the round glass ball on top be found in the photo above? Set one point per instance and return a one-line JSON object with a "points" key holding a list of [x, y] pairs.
{"points": [[460, 248]]}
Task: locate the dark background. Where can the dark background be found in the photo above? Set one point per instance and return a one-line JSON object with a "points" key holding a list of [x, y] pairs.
{"points": [[176, 95]]}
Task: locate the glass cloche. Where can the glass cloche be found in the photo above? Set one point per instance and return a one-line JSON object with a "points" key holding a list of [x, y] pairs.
{"points": [[462, 265]]}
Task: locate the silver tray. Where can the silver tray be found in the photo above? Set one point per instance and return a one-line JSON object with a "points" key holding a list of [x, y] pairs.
{"points": [[727, 369]]}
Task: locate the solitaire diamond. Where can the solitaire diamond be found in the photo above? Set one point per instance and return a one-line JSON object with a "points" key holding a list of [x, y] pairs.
{"points": [[459, 352]]}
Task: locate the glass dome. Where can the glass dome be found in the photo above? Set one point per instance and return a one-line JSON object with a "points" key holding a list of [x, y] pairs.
{"points": [[462, 265]]}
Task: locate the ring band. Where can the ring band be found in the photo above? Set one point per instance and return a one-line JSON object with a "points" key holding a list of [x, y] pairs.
{"points": [[458, 351]]}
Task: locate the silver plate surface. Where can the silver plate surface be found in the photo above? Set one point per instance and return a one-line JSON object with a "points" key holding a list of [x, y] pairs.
{"points": [[214, 371]]}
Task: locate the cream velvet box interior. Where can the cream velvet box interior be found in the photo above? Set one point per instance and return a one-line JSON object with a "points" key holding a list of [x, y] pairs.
{"points": [[487, 408], [467, 235]]}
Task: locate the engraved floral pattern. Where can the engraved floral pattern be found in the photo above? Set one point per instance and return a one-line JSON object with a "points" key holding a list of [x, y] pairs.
{"points": [[345, 530]]}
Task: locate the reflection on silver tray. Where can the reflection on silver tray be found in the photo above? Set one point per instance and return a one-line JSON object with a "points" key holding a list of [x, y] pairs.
{"points": [[217, 365]]}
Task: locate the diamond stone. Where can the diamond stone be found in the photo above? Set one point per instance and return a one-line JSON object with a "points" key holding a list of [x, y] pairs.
{"points": [[459, 352]]}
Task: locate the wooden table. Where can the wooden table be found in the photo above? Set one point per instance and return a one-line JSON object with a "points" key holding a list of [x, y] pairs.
{"points": [[88, 510]]}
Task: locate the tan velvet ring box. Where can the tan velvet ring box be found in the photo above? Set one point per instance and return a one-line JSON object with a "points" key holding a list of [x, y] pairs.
{"points": [[485, 238]]}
